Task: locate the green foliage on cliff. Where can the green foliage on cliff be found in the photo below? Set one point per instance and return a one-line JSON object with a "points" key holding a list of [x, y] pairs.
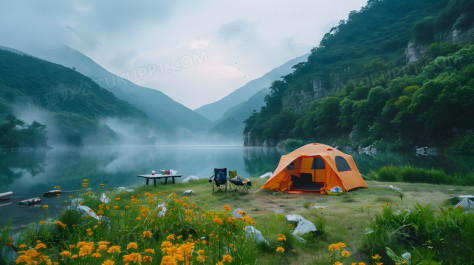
{"points": [[379, 99]]}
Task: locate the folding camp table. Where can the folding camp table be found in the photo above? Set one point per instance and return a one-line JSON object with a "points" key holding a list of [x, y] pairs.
{"points": [[158, 176]]}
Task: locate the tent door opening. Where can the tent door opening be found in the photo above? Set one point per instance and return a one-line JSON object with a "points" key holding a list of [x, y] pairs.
{"points": [[308, 173]]}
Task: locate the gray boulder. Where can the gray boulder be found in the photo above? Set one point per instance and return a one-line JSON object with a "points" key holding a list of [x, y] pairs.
{"points": [[236, 213], [255, 234], [190, 178], [303, 227]]}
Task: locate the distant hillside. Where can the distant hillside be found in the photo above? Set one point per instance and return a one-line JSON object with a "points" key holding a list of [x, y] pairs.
{"points": [[232, 122], [396, 74], [77, 104], [216, 110], [163, 110]]}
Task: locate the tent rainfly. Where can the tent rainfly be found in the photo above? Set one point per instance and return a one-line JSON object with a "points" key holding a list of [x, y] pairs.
{"points": [[315, 167]]}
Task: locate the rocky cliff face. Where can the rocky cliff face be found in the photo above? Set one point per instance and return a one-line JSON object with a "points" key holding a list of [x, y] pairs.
{"points": [[318, 89], [251, 140], [415, 51]]}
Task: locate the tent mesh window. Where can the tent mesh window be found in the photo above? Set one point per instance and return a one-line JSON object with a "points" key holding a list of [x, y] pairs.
{"points": [[318, 163], [342, 164]]}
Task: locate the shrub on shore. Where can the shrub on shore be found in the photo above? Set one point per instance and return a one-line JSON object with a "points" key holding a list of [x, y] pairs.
{"points": [[443, 236], [414, 175]]}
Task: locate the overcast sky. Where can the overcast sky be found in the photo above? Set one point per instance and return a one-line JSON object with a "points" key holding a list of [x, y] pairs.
{"points": [[194, 51]]}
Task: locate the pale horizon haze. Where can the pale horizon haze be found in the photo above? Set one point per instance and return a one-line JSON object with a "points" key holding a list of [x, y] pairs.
{"points": [[196, 52]]}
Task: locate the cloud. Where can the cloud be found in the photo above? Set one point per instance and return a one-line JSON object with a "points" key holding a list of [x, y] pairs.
{"points": [[234, 29], [199, 44]]}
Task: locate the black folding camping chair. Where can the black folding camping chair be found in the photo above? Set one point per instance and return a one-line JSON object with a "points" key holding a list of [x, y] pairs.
{"points": [[219, 179]]}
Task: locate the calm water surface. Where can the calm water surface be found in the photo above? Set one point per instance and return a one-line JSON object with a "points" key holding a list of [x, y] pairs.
{"points": [[29, 174]]}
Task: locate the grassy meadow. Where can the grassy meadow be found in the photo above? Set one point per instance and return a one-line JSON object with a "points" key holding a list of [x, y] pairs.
{"points": [[200, 228]]}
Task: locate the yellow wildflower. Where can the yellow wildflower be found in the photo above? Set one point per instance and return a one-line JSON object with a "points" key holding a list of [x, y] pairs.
{"points": [[114, 249], [40, 246], [345, 253], [147, 234], [168, 260], [227, 258], [133, 257], [101, 247], [281, 237], [218, 220], [86, 250], [132, 245], [65, 253], [150, 250], [280, 249]]}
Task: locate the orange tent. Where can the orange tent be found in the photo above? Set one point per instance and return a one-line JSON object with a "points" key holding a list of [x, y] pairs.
{"points": [[315, 167]]}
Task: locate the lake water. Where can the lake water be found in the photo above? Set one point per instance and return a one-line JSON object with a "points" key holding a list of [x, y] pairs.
{"points": [[30, 174]]}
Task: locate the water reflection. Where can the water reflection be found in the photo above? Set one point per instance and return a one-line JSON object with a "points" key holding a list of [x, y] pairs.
{"points": [[260, 160], [13, 166], [367, 162]]}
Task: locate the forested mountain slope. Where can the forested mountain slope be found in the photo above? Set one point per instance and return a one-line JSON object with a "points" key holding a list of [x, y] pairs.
{"points": [[73, 101], [394, 75]]}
